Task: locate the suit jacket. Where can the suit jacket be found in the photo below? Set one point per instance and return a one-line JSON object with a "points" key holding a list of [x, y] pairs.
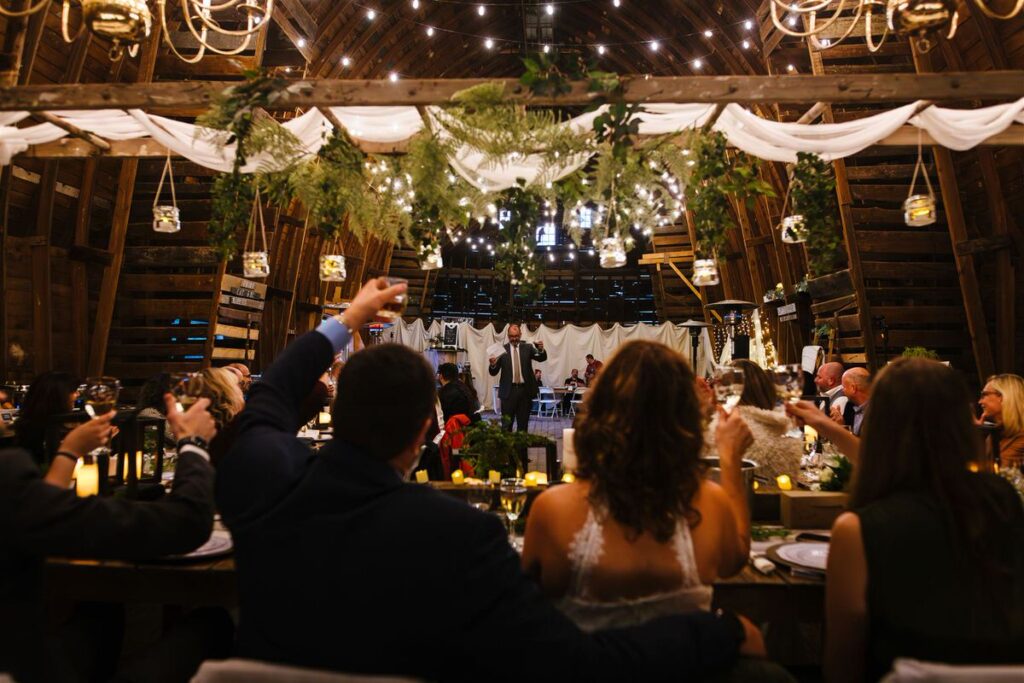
{"points": [[342, 565], [38, 519], [527, 354]]}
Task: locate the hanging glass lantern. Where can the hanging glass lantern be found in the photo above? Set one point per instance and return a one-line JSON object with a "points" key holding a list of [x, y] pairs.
{"points": [[922, 19], [705, 272], [612, 252], [332, 268], [431, 260], [256, 263], [166, 217], [124, 22], [793, 229], [919, 210]]}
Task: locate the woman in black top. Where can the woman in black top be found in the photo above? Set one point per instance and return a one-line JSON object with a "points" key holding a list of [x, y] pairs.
{"points": [[51, 393], [929, 563]]}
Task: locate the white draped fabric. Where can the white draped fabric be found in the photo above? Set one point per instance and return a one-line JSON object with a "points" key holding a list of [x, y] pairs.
{"points": [[772, 140], [566, 347]]}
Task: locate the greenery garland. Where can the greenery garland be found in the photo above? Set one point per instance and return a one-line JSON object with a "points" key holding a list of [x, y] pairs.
{"points": [[516, 249], [813, 194]]}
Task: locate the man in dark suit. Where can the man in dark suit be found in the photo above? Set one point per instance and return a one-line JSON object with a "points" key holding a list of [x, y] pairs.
{"points": [[456, 398], [518, 385], [43, 516], [343, 565]]}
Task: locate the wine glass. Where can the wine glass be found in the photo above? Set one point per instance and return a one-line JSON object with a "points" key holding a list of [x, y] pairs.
{"points": [[480, 497], [789, 381], [728, 384], [394, 309], [513, 500], [187, 388], [101, 398]]}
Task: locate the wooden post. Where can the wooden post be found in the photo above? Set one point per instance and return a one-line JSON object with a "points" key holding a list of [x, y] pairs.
{"points": [[119, 231], [79, 276]]}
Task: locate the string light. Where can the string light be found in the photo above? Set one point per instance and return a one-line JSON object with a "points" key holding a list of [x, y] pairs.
{"points": [[746, 44], [430, 32], [481, 10], [601, 49], [300, 43], [489, 44], [547, 49], [709, 33], [393, 76], [346, 62], [616, 3], [415, 4], [550, 9], [655, 45], [748, 24], [698, 63], [371, 14]]}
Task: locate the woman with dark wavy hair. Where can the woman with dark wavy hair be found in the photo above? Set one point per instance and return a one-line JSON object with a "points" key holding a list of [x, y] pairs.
{"points": [[51, 393], [641, 533]]}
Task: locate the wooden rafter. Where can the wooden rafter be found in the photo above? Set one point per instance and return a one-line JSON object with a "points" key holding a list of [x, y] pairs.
{"points": [[798, 89]]}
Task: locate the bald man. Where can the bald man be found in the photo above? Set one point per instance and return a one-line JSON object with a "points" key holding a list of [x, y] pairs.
{"points": [[857, 387], [829, 380], [244, 376], [518, 385]]}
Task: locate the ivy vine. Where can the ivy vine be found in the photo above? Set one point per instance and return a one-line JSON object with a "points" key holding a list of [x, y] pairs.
{"points": [[813, 195]]}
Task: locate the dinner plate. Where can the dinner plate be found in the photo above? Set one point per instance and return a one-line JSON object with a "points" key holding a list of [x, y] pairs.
{"points": [[218, 544], [809, 555]]}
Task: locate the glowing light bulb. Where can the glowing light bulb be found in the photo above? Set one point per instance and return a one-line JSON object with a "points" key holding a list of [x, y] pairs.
{"points": [[790, 68], [549, 8], [489, 44], [600, 49], [547, 49], [746, 44], [655, 45], [393, 76], [481, 10], [616, 3], [748, 24], [698, 63], [709, 33], [301, 43], [430, 31], [346, 62], [415, 4], [371, 14]]}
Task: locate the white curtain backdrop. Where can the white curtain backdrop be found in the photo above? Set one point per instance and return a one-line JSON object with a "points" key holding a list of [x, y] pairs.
{"points": [[772, 140], [566, 347]]}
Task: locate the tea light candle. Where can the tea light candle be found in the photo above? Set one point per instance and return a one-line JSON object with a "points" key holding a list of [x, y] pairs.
{"points": [[569, 461], [138, 466], [784, 482], [88, 481], [458, 477], [325, 418], [810, 434], [422, 477], [568, 478], [494, 477], [530, 479]]}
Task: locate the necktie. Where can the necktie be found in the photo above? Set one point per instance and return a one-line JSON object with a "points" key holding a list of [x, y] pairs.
{"points": [[517, 375]]}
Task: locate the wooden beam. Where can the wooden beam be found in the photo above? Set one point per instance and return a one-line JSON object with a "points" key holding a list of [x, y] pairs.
{"points": [[118, 231], [797, 89], [79, 274]]}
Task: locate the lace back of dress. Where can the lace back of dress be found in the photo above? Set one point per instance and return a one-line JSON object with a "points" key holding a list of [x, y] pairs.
{"points": [[584, 553]]}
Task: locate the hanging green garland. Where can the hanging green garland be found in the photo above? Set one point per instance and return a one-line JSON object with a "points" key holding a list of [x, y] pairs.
{"points": [[813, 194], [516, 249]]}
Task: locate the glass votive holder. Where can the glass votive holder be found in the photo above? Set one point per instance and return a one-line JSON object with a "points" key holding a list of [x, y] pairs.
{"points": [[166, 218], [919, 210], [793, 229], [256, 263], [612, 252], [332, 268], [705, 272]]}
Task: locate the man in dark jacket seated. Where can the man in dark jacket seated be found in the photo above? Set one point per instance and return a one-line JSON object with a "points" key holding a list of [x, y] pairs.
{"points": [[456, 398], [343, 565]]}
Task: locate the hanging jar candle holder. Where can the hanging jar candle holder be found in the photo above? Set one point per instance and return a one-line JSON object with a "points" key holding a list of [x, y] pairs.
{"points": [[166, 217], [612, 252], [256, 263], [332, 268], [919, 209], [793, 229], [705, 272], [431, 259]]}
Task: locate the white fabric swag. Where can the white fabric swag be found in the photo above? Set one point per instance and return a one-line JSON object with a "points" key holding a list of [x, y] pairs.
{"points": [[770, 140], [567, 347]]}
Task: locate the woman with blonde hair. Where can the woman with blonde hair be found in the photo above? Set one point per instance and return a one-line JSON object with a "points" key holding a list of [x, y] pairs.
{"points": [[220, 385], [642, 532], [1002, 402]]}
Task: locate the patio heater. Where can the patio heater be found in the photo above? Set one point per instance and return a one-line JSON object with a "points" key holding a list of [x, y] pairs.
{"points": [[694, 327], [733, 320]]}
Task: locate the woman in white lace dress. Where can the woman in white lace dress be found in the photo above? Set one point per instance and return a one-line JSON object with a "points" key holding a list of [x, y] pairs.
{"points": [[641, 533]]}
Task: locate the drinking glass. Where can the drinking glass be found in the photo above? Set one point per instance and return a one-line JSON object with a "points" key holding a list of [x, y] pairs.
{"points": [[394, 309], [100, 398], [480, 497], [789, 381], [728, 384], [513, 500], [187, 388]]}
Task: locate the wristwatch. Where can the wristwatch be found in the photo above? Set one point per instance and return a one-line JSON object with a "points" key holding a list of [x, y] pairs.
{"points": [[733, 623], [197, 441], [67, 454]]}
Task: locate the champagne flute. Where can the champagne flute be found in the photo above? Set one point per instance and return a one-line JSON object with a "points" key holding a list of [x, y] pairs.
{"points": [[728, 384], [513, 500], [101, 398], [187, 388], [394, 309], [788, 381]]}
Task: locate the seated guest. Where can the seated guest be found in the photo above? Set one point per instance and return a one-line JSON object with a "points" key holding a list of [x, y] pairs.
{"points": [[774, 453], [829, 381], [857, 390], [455, 396], [539, 376], [593, 367], [574, 380], [221, 386], [6, 398], [245, 377], [344, 566], [641, 533], [1002, 402], [40, 517], [929, 562], [151, 403], [50, 394]]}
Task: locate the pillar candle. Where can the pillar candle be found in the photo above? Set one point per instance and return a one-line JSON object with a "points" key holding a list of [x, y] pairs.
{"points": [[494, 477], [568, 450], [784, 482], [458, 477], [138, 466], [422, 477], [88, 481]]}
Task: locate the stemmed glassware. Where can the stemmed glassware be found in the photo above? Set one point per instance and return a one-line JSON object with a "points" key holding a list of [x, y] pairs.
{"points": [[100, 398], [789, 381], [728, 383], [513, 500]]}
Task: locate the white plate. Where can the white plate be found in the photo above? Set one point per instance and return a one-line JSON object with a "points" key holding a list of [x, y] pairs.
{"points": [[218, 544], [813, 555]]}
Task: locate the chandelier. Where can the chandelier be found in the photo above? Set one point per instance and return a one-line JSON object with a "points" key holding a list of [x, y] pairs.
{"points": [[126, 23], [922, 20]]}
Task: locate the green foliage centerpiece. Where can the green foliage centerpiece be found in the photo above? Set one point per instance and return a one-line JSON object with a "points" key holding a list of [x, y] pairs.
{"points": [[489, 447]]}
